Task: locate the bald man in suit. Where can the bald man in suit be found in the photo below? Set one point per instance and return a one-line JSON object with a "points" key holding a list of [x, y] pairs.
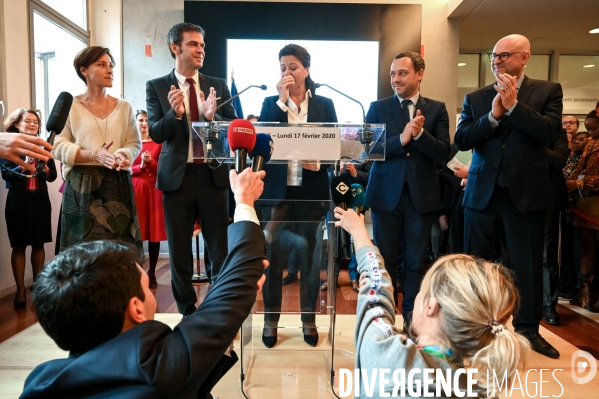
{"points": [[508, 125]]}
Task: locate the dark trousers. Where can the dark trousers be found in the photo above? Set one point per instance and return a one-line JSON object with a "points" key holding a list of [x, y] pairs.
{"points": [[551, 259], [408, 231], [296, 241], [524, 235], [456, 225], [571, 252], [198, 195]]}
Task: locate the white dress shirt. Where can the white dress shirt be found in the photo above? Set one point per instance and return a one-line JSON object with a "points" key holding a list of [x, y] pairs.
{"points": [[184, 86]]}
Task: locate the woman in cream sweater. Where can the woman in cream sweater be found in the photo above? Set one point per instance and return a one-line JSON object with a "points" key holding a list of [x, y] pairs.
{"points": [[96, 147]]}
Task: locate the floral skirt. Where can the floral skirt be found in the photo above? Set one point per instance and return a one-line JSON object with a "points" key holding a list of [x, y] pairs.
{"points": [[98, 204]]}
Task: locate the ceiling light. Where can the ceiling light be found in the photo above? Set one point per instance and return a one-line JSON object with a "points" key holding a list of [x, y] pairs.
{"points": [[592, 31], [588, 66], [461, 64]]}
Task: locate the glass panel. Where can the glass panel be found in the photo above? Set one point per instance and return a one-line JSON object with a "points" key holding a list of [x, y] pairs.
{"points": [[579, 76], [310, 141], [55, 49], [75, 10], [537, 67], [468, 68]]}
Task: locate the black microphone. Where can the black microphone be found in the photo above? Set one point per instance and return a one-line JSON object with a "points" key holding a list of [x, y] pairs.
{"points": [[365, 134], [262, 151], [212, 134], [341, 195], [56, 121]]}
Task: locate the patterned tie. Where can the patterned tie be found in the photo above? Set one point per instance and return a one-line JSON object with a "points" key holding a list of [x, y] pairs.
{"points": [[405, 111], [193, 110]]}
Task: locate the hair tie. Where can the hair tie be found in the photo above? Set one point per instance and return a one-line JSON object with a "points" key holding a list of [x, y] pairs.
{"points": [[495, 327]]}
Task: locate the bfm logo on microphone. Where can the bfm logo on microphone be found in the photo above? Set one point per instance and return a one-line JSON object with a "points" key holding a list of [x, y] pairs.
{"points": [[579, 367], [342, 188], [245, 130]]}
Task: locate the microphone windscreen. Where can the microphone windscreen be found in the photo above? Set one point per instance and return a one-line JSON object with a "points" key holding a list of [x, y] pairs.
{"points": [[241, 135], [60, 113], [263, 87], [264, 147], [357, 196], [341, 189]]}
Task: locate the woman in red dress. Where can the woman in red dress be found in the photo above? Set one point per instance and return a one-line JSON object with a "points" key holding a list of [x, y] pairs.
{"points": [[148, 199]]}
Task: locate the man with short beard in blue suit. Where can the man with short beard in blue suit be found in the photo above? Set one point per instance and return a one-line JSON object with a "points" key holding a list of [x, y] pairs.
{"points": [[403, 191]]}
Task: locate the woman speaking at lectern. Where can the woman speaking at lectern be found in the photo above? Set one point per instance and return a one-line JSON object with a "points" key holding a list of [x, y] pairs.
{"points": [[308, 181]]}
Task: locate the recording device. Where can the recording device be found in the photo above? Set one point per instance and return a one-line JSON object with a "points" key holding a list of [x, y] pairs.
{"points": [[242, 138], [358, 198], [262, 151], [212, 133], [341, 195], [56, 121], [364, 133], [357, 202]]}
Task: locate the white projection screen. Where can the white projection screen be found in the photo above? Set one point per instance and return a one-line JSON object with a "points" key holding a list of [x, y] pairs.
{"points": [[349, 66]]}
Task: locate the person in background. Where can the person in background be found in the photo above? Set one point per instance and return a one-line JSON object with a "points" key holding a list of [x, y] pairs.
{"points": [[14, 146], [570, 249], [252, 118], [585, 180], [148, 199], [450, 335], [98, 144], [116, 348], [28, 209], [296, 102], [571, 124]]}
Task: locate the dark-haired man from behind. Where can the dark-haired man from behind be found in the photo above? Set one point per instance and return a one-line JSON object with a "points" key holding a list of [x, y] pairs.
{"points": [[191, 188], [94, 301]]}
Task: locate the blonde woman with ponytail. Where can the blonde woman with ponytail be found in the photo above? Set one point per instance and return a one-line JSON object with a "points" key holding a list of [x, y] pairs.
{"points": [[459, 318]]}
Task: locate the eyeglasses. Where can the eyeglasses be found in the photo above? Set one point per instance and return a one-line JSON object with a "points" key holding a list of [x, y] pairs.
{"points": [[502, 56], [566, 123]]}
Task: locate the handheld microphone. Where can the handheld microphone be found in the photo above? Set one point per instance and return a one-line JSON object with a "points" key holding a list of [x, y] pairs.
{"points": [[262, 151], [358, 198], [364, 134], [56, 121], [242, 138], [341, 195]]}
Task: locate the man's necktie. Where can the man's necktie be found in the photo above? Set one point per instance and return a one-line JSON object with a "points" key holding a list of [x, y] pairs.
{"points": [[405, 111], [195, 114]]}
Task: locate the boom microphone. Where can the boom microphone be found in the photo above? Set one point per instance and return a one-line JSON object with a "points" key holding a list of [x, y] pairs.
{"points": [[261, 87], [242, 138], [364, 134], [262, 151], [56, 121]]}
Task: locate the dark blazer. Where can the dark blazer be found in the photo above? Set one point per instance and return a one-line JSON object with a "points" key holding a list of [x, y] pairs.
{"points": [[557, 155], [153, 361], [413, 164], [173, 133], [451, 186], [315, 185], [14, 181], [516, 146]]}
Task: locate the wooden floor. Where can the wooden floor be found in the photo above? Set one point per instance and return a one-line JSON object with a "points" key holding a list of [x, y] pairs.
{"points": [[576, 331]]}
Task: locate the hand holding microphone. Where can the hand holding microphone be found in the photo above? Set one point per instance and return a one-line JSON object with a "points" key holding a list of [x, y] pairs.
{"points": [[242, 139], [57, 120]]}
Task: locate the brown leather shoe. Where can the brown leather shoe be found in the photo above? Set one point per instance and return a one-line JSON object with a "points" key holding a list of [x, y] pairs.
{"points": [[586, 295]]}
